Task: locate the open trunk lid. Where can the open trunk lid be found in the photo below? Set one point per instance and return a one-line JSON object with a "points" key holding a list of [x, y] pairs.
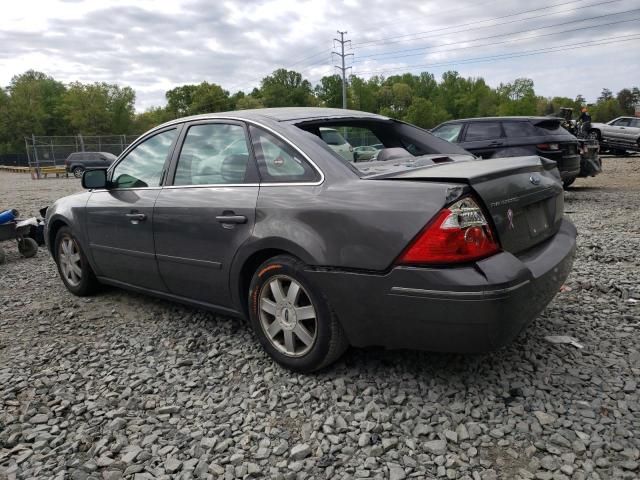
{"points": [[523, 195]]}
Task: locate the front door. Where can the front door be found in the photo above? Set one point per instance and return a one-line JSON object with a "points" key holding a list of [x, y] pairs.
{"points": [[120, 219], [202, 219]]}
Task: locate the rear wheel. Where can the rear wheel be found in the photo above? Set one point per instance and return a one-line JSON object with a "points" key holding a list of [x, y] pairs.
{"points": [[74, 269], [78, 171], [291, 317]]}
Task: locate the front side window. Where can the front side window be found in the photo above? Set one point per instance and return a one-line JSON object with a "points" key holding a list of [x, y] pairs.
{"points": [[332, 137], [213, 153], [142, 167], [450, 132], [483, 131], [623, 122], [277, 161]]}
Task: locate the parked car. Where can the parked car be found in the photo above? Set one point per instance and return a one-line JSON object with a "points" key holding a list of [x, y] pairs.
{"points": [[618, 135], [364, 153], [337, 142], [430, 249], [496, 137], [78, 162]]}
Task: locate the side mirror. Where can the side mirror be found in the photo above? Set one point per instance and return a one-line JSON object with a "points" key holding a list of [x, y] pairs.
{"points": [[95, 178]]}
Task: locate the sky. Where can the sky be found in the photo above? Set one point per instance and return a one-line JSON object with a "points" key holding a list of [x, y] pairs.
{"points": [[566, 47]]}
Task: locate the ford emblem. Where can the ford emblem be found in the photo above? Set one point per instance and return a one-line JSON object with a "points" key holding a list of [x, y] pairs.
{"points": [[535, 180]]}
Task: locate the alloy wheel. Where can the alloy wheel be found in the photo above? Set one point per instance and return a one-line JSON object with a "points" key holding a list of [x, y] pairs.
{"points": [[287, 316], [70, 262]]}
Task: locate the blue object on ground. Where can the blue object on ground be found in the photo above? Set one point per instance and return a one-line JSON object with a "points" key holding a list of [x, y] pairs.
{"points": [[8, 215]]}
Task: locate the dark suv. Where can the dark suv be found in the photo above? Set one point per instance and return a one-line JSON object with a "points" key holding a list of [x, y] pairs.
{"points": [[78, 162], [495, 137]]}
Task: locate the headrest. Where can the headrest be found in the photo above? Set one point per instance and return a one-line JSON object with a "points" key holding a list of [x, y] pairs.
{"points": [[234, 168]]}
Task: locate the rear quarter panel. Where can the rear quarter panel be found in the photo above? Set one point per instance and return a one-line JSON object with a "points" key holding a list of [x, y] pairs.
{"points": [[358, 224]]}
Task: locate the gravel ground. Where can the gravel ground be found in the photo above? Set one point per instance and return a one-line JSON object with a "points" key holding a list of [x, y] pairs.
{"points": [[122, 385]]}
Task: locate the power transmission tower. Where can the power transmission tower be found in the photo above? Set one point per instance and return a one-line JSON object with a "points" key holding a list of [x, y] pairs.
{"points": [[342, 68]]}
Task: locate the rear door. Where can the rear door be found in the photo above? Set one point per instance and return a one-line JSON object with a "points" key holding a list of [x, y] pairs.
{"points": [[120, 219], [484, 139], [207, 212]]}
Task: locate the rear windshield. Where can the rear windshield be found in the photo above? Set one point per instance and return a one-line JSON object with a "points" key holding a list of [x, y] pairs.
{"points": [[332, 137], [550, 127], [392, 139]]}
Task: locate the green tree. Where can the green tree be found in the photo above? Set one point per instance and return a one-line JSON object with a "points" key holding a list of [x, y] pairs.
{"points": [[517, 98], [209, 97], [150, 118], [363, 94], [626, 101], [179, 100], [286, 88], [248, 102], [98, 108], [605, 95], [34, 107], [425, 114], [329, 91]]}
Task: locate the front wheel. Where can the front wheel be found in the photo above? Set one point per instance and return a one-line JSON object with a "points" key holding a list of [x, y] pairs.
{"points": [[291, 317], [74, 269], [77, 172]]}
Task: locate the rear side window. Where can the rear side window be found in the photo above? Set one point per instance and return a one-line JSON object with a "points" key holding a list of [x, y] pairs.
{"points": [[214, 153], [635, 122], [277, 161], [520, 129], [483, 131], [449, 132]]}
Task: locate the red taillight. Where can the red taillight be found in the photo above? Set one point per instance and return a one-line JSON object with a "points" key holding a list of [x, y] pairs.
{"points": [[548, 146], [459, 233]]}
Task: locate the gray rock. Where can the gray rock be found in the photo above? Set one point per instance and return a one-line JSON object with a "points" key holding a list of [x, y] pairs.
{"points": [[172, 465], [436, 447], [300, 451]]}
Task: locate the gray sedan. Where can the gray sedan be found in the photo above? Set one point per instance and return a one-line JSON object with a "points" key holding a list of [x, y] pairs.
{"points": [[252, 214]]}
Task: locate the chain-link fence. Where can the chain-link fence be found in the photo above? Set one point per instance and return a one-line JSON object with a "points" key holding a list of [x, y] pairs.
{"points": [[52, 151]]}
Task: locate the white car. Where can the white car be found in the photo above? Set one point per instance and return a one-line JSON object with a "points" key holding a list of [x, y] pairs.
{"points": [[337, 143], [620, 134]]}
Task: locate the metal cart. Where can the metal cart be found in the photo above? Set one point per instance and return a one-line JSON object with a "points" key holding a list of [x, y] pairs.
{"points": [[27, 246]]}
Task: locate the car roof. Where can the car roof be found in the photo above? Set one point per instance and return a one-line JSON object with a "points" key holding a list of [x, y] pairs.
{"points": [[493, 119], [284, 114]]}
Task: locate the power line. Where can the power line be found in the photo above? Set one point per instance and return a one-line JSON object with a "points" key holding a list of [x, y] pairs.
{"points": [[385, 41], [342, 68], [526, 53], [421, 49]]}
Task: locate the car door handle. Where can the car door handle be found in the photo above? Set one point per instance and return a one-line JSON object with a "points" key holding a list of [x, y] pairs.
{"points": [[231, 219], [496, 144], [136, 217]]}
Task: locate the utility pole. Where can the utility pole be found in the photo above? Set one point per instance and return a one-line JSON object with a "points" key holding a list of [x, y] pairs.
{"points": [[342, 68]]}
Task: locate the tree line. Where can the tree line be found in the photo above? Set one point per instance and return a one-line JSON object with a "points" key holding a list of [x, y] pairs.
{"points": [[35, 103]]}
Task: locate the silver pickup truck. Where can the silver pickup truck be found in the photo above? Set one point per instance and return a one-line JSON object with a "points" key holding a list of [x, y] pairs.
{"points": [[618, 135]]}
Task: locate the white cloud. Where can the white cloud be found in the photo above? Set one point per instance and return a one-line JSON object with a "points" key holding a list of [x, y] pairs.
{"points": [[153, 46]]}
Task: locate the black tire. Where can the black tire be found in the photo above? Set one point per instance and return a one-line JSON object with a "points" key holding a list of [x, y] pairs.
{"points": [[27, 247], [567, 182], [78, 171], [87, 283], [330, 341]]}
